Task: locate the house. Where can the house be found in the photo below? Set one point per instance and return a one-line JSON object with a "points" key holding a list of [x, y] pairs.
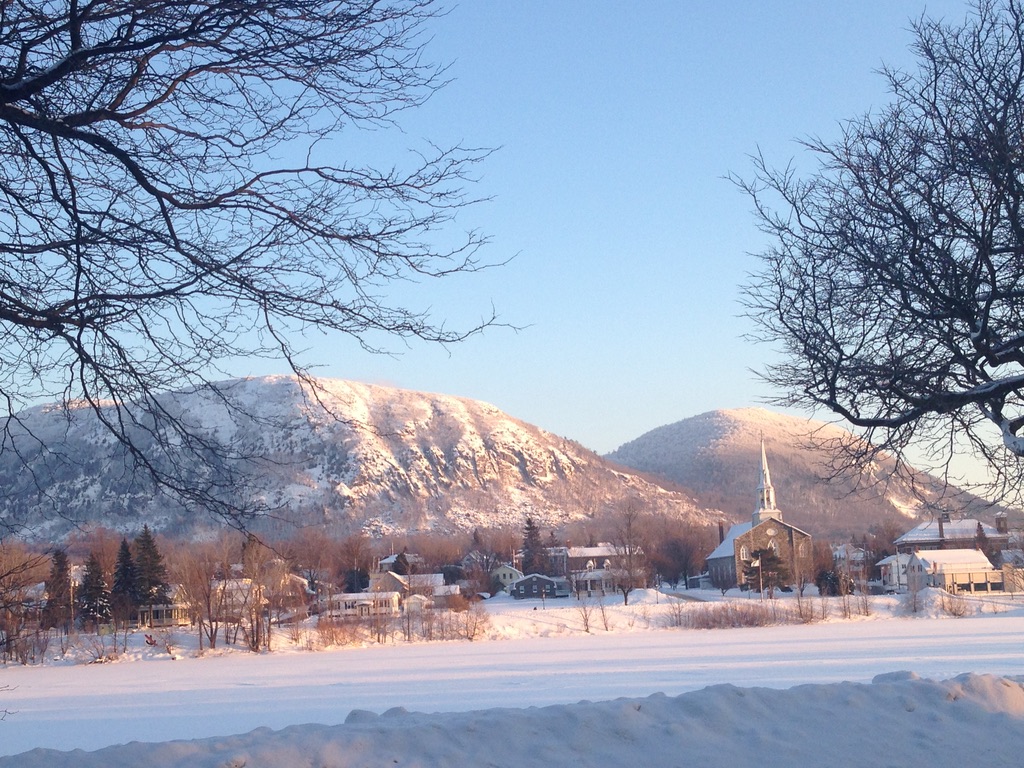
{"points": [[946, 533], [537, 586], [233, 599], [391, 562], [504, 575], [413, 583], [417, 604], [445, 595], [174, 613], [852, 561], [894, 572], [568, 559], [594, 582], [359, 604], [429, 585], [766, 530], [954, 570]]}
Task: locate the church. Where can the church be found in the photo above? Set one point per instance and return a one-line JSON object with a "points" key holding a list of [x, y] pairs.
{"points": [[766, 530]]}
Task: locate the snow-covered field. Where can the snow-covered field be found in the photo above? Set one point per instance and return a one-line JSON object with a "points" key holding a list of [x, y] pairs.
{"points": [[540, 691]]}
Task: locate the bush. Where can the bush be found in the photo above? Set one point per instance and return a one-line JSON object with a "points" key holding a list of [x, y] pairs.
{"points": [[730, 615]]}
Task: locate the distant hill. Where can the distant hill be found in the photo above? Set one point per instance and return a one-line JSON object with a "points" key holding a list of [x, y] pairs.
{"points": [[375, 459], [716, 457]]}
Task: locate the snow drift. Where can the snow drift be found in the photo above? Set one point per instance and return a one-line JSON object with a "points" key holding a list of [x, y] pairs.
{"points": [[897, 719]]}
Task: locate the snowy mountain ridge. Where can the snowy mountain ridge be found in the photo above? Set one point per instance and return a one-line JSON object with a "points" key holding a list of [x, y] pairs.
{"points": [[347, 455], [716, 456]]}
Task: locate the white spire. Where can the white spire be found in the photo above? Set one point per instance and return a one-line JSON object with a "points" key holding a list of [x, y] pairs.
{"points": [[765, 492]]}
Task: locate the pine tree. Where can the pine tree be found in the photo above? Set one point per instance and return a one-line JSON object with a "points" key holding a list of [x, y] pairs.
{"points": [[93, 598], [534, 560], [766, 571], [152, 575], [981, 542], [58, 609], [124, 593], [401, 567]]}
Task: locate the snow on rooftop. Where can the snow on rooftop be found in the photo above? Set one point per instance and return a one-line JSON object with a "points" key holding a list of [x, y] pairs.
{"points": [[960, 558], [954, 529], [726, 548]]}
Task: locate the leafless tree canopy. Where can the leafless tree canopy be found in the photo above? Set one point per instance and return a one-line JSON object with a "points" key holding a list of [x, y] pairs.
{"points": [[171, 197], [894, 283]]}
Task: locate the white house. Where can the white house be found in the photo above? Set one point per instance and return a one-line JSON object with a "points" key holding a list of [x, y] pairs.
{"points": [[954, 570], [894, 572], [360, 604], [505, 575]]}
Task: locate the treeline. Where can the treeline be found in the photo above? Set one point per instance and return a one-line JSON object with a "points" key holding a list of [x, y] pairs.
{"points": [[233, 587]]}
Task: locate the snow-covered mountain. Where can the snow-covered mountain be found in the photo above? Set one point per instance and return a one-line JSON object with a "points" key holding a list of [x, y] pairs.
{"points": [[716, 456], [346, 455]]}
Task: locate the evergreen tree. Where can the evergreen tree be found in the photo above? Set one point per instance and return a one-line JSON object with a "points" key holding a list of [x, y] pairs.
{"points": [[766, 571], [152, 575], [58, 609], [93, 598], [534, 559], [833, 583], [124, 593], [401, 567], [981, 542]]}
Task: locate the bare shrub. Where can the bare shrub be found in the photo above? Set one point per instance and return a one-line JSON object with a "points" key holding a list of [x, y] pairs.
{"points": [[804, 609], [472, 622], [336, 631], [98, 650], [30, 647], [585, 609], [675, 614], [912, 600], [824, 607], [864, 605], [954, 605], [732, 615]]}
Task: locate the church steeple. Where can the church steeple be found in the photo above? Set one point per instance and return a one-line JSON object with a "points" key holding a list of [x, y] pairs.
{"points": [[765, 493]]}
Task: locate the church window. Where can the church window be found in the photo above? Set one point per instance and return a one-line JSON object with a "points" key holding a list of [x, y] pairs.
{"points": [[744, 553]]}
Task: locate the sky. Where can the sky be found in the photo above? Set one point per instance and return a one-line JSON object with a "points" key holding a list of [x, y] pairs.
{"points": [[616, 126]]}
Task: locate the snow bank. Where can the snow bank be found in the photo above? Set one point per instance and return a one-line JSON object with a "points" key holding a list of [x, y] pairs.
{"points": [[897, 719]]}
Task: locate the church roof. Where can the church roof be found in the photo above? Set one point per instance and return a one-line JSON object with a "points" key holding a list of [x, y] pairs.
{"points": [[726, 548]]}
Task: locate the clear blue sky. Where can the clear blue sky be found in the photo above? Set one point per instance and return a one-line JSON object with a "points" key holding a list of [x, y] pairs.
{"points": [[617, 123]]}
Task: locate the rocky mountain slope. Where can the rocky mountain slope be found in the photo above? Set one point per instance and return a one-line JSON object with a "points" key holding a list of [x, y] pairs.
{"points": [[349, 456], [716, 456]]}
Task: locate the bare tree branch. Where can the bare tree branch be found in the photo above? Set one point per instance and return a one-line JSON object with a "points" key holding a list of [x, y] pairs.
{"points": [[171, 198], [894, 283]]}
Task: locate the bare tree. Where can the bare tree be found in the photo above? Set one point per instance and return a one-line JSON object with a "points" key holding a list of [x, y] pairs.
{"points": [[20, 570], [631, 571], [198, 568], [893, 281], [678, 549], [171, 198]]}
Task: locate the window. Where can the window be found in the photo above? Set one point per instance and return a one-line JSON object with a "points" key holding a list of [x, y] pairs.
{"points": [[744, 553]]}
